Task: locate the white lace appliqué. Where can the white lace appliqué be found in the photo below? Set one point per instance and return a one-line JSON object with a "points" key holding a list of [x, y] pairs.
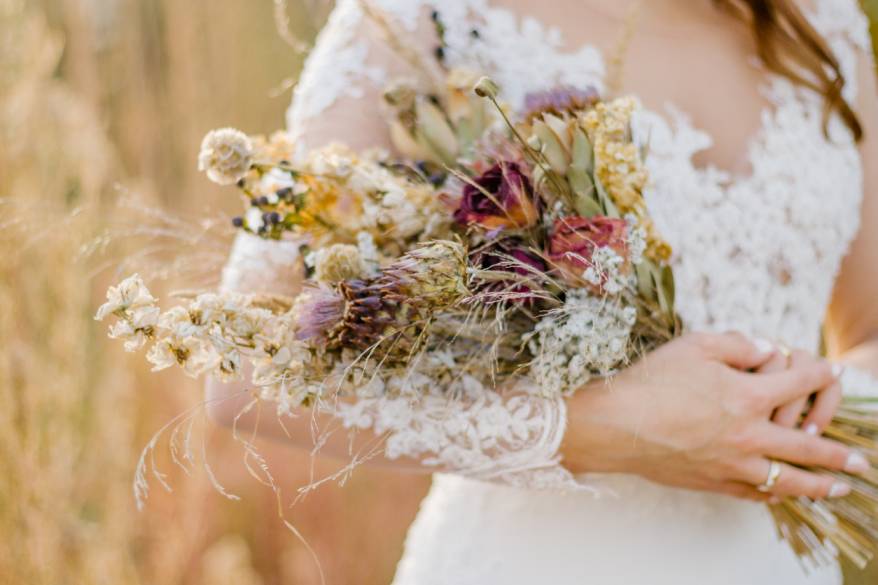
{"points": [[513, 440]]}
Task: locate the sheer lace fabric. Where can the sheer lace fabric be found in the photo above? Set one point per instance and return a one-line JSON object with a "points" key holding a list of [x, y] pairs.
{"points": [[767, 273]]}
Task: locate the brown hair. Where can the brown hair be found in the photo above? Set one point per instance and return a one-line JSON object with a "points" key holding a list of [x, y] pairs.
{"points": [[788, 45]]}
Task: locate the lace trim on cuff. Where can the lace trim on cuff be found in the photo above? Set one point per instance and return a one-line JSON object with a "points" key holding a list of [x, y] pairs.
{"points": [[513, 440]]}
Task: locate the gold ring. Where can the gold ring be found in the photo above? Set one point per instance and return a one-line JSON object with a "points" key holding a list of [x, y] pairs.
{"points": [[774, 470], [787, 353]]}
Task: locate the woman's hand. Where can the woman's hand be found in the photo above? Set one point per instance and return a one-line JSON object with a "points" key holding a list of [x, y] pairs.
{"points": [[817, 409], [691, 415]]}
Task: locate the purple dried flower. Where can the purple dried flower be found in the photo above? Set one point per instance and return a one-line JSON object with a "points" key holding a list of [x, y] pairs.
{"points": [[559, 100], [319, 312]]}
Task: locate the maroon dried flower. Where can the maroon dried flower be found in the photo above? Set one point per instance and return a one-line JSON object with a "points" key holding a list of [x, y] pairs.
{"points": [[575, 239], [510, 256], [500, 198]]}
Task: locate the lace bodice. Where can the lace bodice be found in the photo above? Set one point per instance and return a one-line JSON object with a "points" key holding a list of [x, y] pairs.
{"points": [[756, 253]]}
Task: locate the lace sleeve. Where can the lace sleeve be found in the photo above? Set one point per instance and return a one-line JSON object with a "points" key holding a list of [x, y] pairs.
{"points": [[511, 439]]}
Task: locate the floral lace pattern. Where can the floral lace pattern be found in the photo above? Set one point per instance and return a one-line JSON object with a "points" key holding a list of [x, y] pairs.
{"points": [[512, 440]]}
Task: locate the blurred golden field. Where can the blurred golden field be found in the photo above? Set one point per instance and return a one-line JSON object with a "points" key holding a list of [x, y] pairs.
{"points": [[103, 101]]}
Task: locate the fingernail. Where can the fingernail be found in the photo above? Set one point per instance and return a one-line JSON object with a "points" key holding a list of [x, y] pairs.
{"points": [[857, 463], [812, 429], [763, 345], [839, 490], [837, 370], [774, 500]]}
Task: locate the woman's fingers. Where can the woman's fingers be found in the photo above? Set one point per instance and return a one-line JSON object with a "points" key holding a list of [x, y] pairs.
{"points": [[736, 349], [787, 415], [823, 409], [807, 450], [739, 490], [795, 482], [799, 381], [790, 414]]}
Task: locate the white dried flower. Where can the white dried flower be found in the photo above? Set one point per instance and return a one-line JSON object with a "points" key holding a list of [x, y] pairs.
{"points": [[226, 156], [247, 323], [607, 271], [134, 338], [253, 219], [637, 239], [589, 336], [190, 353], [177, 322], [337, 263], [135, 307], [131, 293]]}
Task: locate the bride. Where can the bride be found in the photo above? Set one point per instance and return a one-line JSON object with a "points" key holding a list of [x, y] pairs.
{"points": [[758, 116]]}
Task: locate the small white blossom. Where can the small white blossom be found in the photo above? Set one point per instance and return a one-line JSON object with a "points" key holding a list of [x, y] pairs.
{"points": [[636, 239], [136, 310], [253, 219], [247, 323], [134, 338], [190, 353], [178, 322], [131, 293], [589, 336]]}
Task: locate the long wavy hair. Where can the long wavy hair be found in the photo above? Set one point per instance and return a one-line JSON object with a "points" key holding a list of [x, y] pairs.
{"points": [[788, 45]]}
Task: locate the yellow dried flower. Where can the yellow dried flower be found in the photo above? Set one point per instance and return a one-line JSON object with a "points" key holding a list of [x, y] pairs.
{"points": [[619, 167]]}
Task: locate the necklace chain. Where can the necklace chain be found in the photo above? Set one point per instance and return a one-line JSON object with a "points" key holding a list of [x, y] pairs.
{"points": [[616, 60]]}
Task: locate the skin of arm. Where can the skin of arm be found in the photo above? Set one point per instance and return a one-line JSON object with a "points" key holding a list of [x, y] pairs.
{"points": [[852, 324]]}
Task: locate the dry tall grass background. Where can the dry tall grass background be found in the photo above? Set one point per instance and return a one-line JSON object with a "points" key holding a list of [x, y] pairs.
{"points": [[101, 101]]}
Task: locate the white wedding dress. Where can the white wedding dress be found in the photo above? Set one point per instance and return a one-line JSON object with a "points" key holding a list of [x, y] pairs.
{"points": [[505, 512]]}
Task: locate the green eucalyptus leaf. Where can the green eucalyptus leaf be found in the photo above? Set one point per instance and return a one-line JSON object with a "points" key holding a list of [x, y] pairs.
{"points": [[584, 201], [539, 176], [668, 285], [583, 152], [645, 283], [666, 303], [534, 142], [436, 132], [610, 209], [551, 147], [467, 133], [561, 130]]}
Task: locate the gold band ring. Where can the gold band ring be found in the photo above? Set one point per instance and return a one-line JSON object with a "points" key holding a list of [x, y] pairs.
{"points": [[787, 353], [774, 470]]}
